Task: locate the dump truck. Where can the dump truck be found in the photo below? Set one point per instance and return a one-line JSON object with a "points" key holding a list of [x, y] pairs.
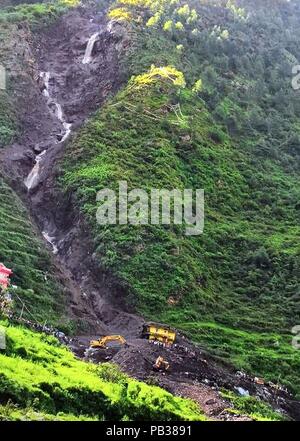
{"points": [[102, 342], [158, 332]]}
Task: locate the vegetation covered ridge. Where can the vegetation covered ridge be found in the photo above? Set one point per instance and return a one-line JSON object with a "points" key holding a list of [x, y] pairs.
{"points": [[206, 107]]}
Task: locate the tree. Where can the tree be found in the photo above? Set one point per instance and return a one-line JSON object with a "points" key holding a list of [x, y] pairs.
{"points": [[198, 86], [179, 26], [168, 26]]}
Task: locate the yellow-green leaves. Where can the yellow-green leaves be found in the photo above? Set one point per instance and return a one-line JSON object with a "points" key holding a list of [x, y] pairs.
{"points": [[156, 74], [120, 14], [198, 86]]}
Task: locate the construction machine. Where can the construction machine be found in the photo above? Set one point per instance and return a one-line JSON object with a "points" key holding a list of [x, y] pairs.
{"points": [[161, 364], [158, 332], [102, 342]]}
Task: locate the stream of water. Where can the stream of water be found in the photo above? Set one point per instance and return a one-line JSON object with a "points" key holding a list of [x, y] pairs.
{"points": [[50, 240], [89, 49], [32, 179], [46, 78]]}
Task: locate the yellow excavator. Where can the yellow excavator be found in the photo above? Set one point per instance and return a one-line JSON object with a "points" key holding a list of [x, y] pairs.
{"points": [[161, 364], [102, 342]]}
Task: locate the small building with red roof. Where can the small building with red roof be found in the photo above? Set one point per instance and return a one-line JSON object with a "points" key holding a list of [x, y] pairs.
{"points": [[5, 273]]}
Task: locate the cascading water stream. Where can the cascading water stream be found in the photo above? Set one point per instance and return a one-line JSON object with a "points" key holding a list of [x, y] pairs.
{"points": [[32, 179], [46, 78], [50, 240], [60, 116], [89, 49], [59, 112]]}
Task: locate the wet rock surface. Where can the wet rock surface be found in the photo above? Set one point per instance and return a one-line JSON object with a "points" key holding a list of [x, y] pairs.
{"points": [[56, 89]]}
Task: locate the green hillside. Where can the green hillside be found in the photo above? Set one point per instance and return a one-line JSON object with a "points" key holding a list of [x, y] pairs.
{"points": [[37, 13], [205, 102], [37, 286], [210, 106]]}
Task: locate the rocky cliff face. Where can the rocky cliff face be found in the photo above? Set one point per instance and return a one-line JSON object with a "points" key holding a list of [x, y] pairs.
{"points": [[52, 92]]}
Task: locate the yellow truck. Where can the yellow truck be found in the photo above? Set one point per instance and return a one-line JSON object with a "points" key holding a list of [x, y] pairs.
{"points": [[158, 332]]}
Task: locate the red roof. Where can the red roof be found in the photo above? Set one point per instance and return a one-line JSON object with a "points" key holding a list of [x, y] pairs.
{"points": [[4, 270]]}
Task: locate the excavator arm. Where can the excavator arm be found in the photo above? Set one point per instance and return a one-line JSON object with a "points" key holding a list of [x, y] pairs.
{"points": [[102, 342]]}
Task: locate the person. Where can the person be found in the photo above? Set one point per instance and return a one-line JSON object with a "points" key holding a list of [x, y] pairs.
{"points": [[6, 303]]}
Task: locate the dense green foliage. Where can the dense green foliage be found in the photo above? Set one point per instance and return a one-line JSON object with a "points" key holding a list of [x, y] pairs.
{"points": [[269, 355], [35, 13], [12, 412], [33, 272], [8, 117], [43, 378], [231, 128], [8, 123]]}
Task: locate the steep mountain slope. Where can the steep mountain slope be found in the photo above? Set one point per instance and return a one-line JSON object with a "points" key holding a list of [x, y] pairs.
{"points": [[40, 380], [76, 90], [225, 129], [173, 94], [38, 286]]}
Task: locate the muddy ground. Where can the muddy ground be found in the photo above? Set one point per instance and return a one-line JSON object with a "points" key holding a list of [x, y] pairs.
{"points": [[193, 373], [93, 296]]}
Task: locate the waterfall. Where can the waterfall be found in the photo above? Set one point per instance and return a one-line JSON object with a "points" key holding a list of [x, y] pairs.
{"points": [[58, 111], [67, 127], [55, 106], [46, 78], [89, 49], [50, 240], [60, 116], [32, 178]]}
